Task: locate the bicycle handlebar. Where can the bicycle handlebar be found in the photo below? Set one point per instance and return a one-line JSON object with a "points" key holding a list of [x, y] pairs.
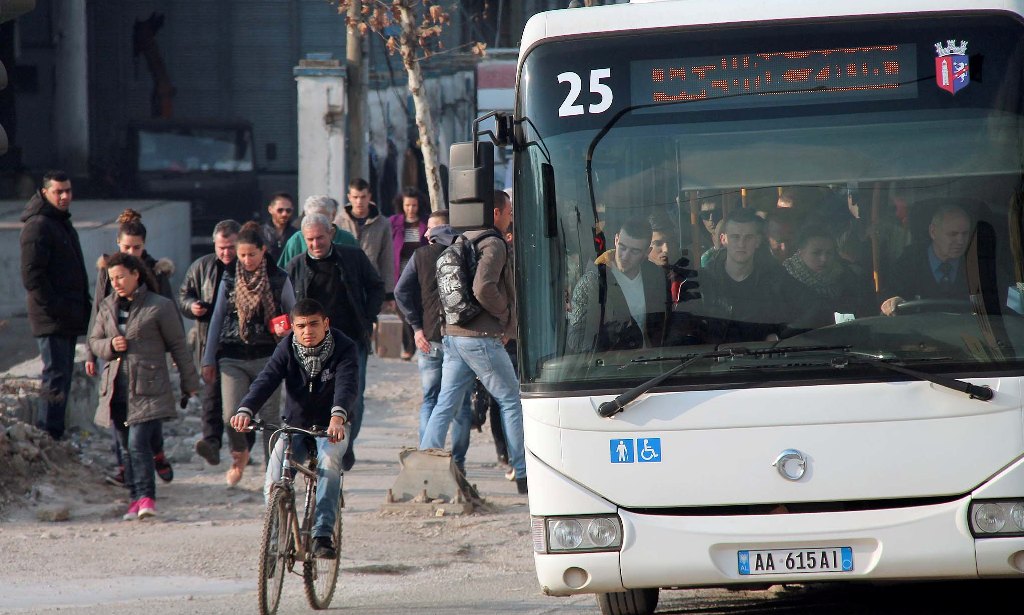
{"points": [[259, 425]]}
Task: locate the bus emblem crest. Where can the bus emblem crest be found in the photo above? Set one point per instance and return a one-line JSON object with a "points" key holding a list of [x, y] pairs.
{"points": [[952, 66]]}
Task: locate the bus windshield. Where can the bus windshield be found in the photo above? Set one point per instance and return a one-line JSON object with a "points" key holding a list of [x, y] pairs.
{"points": [[855, 183]]}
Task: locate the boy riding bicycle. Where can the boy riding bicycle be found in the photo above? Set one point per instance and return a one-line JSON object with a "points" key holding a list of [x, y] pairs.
{"points": [[320, 369]]}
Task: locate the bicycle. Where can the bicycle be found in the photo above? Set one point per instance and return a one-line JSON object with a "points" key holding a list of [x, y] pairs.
{"points": [[287, 534]]}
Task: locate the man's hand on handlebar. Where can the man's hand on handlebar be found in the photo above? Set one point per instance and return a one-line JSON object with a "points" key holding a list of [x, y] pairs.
{"points": [[240, 422], [336, 430]]}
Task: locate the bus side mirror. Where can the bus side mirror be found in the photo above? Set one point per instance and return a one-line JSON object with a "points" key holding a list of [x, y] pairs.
{"points": [[471, 186]]}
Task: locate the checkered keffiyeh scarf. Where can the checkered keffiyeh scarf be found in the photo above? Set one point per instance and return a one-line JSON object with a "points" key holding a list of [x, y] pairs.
{"points": [[252, 290], [824, 284], [312, 359]]}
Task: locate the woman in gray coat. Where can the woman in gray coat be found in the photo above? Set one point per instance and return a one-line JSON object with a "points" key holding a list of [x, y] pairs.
{"points": [[133, 331]]}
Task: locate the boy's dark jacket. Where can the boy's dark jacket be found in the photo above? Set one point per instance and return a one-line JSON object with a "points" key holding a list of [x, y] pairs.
{"points": [[306, 403]]}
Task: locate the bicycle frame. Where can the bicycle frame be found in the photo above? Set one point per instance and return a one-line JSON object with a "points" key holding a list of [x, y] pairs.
{"points": [[300, 531]]}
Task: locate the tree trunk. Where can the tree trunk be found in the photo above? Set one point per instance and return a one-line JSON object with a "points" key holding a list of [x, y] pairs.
{"points": [[356, 162], [408, 46]]}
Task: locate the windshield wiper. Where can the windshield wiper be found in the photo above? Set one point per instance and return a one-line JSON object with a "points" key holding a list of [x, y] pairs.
{"points": [[610, 408], [981, 393]]}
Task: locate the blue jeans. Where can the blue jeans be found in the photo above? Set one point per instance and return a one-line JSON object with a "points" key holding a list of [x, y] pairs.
{"points": [[430, 377], [328, 470], [139, 469], [485, 358], [58, 354]]}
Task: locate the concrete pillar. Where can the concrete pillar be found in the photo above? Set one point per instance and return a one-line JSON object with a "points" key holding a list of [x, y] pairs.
{"points": [[321, 84], [71, 88]]}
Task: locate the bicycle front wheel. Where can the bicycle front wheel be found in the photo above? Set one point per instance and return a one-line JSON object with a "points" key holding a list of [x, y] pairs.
{"points": [[275, 550], [319, 575]]}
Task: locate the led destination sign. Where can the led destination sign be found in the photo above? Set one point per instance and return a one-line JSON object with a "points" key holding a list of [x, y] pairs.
{"points": [[819, 76]]}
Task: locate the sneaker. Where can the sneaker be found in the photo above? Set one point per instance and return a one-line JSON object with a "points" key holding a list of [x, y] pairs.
{"points": [[147, 508], [116, 479], [511, 474], [521, 485], [208, 451], [133, 511], [323, 548], [163, 467]]}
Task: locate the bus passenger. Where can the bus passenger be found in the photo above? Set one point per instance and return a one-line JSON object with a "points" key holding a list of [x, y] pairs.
{"points": [[743, 292], [824, 284], [622, 301], [938, 271]]}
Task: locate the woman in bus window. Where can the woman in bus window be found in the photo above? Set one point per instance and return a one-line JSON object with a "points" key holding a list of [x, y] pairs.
{"points": [[824, 283]]}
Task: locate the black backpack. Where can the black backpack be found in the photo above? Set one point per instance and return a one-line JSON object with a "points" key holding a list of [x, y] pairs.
{"points": [[456, 269]]}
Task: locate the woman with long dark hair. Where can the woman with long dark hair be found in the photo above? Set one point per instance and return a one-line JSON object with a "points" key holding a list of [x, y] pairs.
{"points": [[133, 331], [241, 338], [408, 232]]}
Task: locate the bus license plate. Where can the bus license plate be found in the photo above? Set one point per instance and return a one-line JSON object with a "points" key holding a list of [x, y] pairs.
{"points": [[790, 561]]}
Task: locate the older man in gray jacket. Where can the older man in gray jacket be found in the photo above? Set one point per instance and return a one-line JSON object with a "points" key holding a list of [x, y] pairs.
{"points": [[478, 347]]}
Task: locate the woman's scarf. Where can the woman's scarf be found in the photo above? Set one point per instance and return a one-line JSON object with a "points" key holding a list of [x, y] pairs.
{"points": [[824, 283], [252, 290], [312, 359]]}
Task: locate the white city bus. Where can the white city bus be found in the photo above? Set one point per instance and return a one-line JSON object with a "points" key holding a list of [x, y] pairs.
{"points": [[801, 436]]}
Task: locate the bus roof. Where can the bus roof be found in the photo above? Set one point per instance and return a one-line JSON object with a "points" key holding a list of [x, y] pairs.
{"points": [[648, 14]]}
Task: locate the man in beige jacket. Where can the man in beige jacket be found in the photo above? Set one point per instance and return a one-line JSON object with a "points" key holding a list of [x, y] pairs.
{"points": [[373, 230]]}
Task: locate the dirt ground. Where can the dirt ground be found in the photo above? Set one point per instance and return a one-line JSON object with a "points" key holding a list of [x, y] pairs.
{"points": [[199, 555]]}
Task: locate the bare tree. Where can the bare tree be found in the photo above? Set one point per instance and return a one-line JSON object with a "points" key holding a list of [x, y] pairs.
{"points": [[420, 23]]}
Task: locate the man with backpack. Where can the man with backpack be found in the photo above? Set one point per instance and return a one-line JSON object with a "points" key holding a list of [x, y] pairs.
{"points": [[479, 317]]}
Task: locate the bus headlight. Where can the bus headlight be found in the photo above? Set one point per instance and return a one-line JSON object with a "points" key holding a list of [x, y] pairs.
{"points": [[576, 534], [997, 518]]}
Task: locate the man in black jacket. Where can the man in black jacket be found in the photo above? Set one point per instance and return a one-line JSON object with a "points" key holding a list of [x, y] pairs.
{"points": [[319, 367], [196, 300], [417, 298], [344, 281], [53, 272]]}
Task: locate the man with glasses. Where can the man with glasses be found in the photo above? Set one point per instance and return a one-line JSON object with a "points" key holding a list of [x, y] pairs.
{"points": [[622, 301], [278, 229]]}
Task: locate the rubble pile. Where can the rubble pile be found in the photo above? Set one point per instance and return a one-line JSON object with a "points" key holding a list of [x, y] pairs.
{"points": [[27, 454], [30, 458]]}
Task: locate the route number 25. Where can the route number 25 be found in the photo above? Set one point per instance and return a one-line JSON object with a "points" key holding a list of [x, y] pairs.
{"points": [[570, 107]]}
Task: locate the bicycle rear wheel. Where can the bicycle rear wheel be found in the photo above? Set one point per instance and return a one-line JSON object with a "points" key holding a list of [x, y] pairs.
{"points": [[276, 548], [320, 576]]}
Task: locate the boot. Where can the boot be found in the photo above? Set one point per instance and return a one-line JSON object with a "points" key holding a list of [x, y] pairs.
{"points": [[238, 461]]}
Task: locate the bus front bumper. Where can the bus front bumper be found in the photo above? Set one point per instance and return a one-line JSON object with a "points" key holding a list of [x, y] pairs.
{"points": [[922, 542]]}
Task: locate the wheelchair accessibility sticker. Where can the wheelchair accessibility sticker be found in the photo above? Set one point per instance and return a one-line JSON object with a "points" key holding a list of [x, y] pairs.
{"points": [[642, 450]]}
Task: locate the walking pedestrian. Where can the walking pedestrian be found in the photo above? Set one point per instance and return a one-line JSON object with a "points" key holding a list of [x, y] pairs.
{"points": [[241, 339], [351, 292], [408, 232], [131, 239], [54, 276], [278, 229], [197, 298], [477, 347], [418, 301], [134, 330], [317, 204], [362, 218]]}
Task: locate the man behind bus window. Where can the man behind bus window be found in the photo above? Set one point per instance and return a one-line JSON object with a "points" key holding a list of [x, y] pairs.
{"points": [[743, 292], [937, 272], [621, 300]]}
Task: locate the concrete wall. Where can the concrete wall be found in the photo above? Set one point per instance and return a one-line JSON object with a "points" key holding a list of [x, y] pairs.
{"points": [[167, 225]]}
